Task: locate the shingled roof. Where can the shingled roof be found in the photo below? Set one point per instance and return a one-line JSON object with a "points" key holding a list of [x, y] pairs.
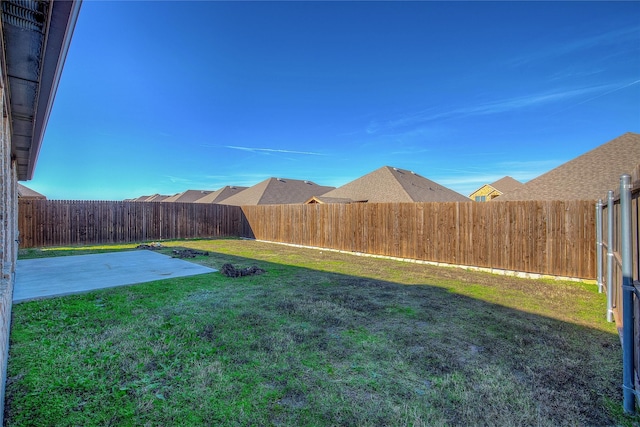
{"points": [[506, 184], [389, 184], [324, 200], [27, 193], [221, 194], [587, 177], [157, 198], [188, 196], [153, 198], [277, 191]]}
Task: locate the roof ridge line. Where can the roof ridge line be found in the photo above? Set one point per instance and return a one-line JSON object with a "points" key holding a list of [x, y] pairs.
{"points": [[390, 169]]}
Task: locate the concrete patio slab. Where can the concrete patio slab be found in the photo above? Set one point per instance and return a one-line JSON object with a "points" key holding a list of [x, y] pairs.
{"points": [[56, 276]]}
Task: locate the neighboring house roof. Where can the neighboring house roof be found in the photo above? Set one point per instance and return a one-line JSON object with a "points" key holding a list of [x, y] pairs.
{"points": [[153, 198], [587, 177], [506, 184], [497, 188], [277, 191], [157, 198], [27, 193], [323, 200], [389, 184], [188, 196], [35, 38], [221, 194]]}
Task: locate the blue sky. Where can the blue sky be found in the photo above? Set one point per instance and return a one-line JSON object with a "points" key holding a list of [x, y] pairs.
{"points": [[161, 96]]}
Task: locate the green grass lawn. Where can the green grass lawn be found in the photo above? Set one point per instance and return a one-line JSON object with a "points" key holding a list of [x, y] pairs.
{"points": [[321, 338]]}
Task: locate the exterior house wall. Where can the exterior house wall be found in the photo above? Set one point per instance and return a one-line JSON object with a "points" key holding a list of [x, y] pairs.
{"points": [[487, 191], [8, 241]]}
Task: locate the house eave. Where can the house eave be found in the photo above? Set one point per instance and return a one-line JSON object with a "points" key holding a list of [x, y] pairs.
{"points": [[36, 36]]}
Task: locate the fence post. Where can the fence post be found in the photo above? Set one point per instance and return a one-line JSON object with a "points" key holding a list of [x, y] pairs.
{"points": [[599, 245], [628, 392], [610, 256]]}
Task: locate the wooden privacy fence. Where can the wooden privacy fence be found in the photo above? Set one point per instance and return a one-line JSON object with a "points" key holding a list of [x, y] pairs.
{"points": [[550, 237], [555, 238], [64, 222]]}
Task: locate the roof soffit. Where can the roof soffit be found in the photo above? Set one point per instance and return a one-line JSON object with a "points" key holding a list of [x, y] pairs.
{"points": [[36, 37]]}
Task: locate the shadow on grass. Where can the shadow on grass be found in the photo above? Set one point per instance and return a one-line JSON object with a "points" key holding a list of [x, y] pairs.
{"points": [[301, 346]]}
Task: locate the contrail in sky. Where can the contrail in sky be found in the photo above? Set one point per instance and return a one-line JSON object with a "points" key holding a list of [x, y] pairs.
{"points": [[599, 96], [273, 150]]}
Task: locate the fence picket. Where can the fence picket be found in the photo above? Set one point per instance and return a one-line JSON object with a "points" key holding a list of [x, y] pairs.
{"points": [[556, 238]]}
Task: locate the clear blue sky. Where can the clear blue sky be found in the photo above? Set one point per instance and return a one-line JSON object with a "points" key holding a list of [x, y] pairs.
{"points": [[161, 97]]}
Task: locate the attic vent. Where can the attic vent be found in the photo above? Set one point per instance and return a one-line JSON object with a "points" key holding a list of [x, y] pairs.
{"points": [[233, 187], [395, 169], [26, 15], [308, 182], [413, 173], [280, 179]]}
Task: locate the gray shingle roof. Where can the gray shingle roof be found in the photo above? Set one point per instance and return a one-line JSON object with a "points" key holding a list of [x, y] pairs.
{"points": [[323, 200], [152, 198], [27, 193], [221, 194], [157, 198], [277, 191], [506, 184], [389, 184], [587, 177], [187, 196]]}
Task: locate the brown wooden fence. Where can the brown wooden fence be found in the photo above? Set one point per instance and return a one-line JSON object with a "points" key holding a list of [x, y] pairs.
{"points": [[68, 222], [555, 238]]}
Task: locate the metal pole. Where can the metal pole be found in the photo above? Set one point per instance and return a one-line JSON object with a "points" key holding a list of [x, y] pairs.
{"points": [[610, 256], [627, 295], [599, 245]]}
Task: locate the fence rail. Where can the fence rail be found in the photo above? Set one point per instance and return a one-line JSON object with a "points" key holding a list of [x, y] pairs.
{"points": [[70, 222]]}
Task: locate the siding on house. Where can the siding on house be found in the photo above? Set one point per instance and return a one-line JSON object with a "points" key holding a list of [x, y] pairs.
{"points": [[34, 40], [484, 193], [8, 240], [495, 189]]}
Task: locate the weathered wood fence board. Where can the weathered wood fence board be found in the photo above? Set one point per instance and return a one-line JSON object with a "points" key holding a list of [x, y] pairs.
{"points": [[70, 222], [555, 238]]}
